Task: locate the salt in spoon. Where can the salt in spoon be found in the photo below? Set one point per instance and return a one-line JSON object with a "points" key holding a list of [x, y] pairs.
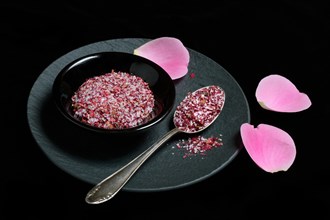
{"points": [[197, 111]]}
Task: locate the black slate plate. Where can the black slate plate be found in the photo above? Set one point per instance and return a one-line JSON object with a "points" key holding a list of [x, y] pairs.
{"points": [[91, 158]]}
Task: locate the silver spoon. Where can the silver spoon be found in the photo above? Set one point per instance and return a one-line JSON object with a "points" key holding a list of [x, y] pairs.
{"points": [[195, 113]]}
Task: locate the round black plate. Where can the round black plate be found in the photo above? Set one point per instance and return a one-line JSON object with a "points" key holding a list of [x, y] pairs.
{"points": [[91, 158]]}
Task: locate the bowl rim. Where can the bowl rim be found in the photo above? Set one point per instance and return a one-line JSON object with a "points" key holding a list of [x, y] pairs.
{"points": [[135, 129]]}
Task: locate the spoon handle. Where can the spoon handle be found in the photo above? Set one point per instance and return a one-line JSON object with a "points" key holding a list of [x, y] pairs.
{"points": [[109, 187]]}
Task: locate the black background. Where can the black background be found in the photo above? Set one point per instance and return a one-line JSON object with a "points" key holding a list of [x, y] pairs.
{"points": [[250, 39]]}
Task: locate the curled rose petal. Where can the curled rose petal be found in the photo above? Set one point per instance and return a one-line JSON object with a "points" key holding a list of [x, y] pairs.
{"points": [[277, 93], [271, 148], [167, 52]]}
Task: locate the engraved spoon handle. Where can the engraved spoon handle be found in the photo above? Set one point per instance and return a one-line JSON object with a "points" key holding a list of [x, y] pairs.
{"points": [[109, 187]]}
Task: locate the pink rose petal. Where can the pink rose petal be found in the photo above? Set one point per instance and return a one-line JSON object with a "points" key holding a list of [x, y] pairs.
{"points": [[271, 148], [277, 93], [167, 52]]}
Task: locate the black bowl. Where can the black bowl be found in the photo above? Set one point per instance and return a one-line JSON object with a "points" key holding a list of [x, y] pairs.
{"points": [[75, 73]]}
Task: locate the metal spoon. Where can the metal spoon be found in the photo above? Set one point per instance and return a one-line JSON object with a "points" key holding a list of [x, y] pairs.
{"points": [[195, 113]]}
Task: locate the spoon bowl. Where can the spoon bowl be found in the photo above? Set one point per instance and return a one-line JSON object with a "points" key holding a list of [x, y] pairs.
{"points": [[196, 112], [199, 109]]}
